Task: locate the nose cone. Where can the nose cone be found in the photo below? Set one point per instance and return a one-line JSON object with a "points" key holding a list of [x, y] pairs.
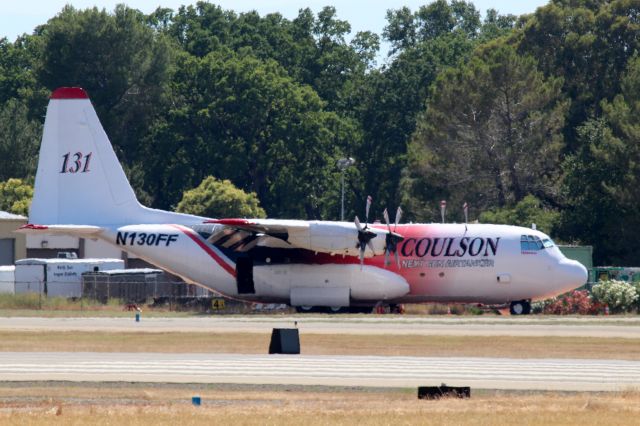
{"points": [[571, 275]]}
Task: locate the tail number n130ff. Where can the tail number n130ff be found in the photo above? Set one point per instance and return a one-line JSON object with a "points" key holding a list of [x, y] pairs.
{"points": [[144, 239]]}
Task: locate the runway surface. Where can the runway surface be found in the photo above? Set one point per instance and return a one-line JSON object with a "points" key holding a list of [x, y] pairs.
{"points": [[624, 327], [486, 373]]}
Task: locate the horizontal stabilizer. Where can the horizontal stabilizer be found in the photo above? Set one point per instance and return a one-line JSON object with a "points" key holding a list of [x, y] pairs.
{"points": [[83, 230]]}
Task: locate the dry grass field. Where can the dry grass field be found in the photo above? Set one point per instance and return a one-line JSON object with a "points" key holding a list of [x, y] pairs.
{"points": [[324, 344], [59, 403], [144, 404]]}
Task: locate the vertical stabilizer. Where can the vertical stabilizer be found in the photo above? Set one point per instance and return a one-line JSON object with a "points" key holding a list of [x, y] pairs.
{"points": [[79, 179]]}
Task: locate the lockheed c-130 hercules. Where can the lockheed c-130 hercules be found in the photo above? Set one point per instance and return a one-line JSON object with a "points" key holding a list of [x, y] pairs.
{"points": [[81, 190]]}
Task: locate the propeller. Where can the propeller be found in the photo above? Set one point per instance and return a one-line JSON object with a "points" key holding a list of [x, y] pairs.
{"points": [[392, 238], [365, 235]]}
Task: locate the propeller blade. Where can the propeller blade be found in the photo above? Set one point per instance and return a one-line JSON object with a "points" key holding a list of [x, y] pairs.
{"points": [[386, 257], [386, 219], [395, 253], [398, 216], [358, 225], [369, 201], [370, 245]]}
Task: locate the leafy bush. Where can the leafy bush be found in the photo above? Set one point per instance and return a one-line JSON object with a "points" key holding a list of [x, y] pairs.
{"points": [[636, 286], [220, 198], [620, 296], [475, 310], [540, 306], [15, 196], [576, 302]]}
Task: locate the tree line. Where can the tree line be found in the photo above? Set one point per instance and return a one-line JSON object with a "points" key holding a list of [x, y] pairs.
{"points": [[529, 118]]}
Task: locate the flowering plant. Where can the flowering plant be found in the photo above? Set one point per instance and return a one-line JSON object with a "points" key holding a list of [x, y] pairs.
{"points": [[619, 296]]}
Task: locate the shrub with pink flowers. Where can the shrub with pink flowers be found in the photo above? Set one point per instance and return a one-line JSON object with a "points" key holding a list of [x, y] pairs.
{"points": [[575, 302]]}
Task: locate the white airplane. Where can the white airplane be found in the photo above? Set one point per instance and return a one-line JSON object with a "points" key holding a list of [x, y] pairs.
{"points": [[81, 190]]}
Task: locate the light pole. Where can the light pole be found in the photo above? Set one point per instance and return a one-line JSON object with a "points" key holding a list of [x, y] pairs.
{"points": [[343, 164]]}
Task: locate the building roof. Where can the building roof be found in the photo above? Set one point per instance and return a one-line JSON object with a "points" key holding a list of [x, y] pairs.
{"points": [[145, 271], [64, 261], [10, 216]]}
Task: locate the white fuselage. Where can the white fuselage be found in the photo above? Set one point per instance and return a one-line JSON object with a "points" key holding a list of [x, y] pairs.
{"points": [[448, 263]]}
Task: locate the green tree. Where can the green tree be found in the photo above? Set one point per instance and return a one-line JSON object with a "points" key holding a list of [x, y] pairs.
{"points": [[119, 59], [254, 125], [15, 196], [441, 17], [496, 25], [311, 48], [219, 199], [588, 44], [19, 141], [590, 216], [526, 212], [491, 135], [18, 78], [390, 99], [603, 178], [201, 28]]}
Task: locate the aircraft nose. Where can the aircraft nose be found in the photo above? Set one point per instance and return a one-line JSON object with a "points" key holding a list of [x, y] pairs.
{"points": [[573, 274]]}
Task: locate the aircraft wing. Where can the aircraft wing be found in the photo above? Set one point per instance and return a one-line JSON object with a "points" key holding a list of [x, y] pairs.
{"points": [[280, 229], [318, 236]]}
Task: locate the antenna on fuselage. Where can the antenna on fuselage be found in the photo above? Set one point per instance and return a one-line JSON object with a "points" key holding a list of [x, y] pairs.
{"points": [[443, 208], [465, 207]]}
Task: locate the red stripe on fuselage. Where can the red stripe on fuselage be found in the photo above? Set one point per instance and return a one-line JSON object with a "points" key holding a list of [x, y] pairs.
{"points": [[195, 237]]}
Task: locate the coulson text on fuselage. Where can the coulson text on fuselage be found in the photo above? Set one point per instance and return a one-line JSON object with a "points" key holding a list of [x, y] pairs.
{"points": [[450, 247]]}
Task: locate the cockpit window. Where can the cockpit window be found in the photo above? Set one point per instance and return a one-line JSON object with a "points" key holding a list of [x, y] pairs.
{"points": [[533, 243]]}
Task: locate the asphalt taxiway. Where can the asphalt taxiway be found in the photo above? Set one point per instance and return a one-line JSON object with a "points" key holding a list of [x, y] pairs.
{"points": [[379, 371], [485, 373], [619, 327]]}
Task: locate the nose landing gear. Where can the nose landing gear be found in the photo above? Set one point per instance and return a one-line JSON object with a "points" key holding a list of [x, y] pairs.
{"points": [[520, 307]]}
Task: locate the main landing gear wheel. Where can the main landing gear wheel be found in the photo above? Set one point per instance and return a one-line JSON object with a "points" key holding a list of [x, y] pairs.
{"points": [[520, 307], [360, 309], [304, 309]]}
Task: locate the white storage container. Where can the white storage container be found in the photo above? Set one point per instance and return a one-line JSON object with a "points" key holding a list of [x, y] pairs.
{"points": [[7, 279], [58, 277]]}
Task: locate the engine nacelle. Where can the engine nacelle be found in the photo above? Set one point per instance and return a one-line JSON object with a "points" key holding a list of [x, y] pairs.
{"points": [[337, 238]]}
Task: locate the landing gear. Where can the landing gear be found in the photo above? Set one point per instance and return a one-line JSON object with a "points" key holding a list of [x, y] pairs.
{"points": [[360, 309], [334, 309], [520, 307]]}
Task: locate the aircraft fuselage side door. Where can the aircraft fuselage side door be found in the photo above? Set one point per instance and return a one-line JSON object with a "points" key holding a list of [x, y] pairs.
{"points": [[244, 275]]}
